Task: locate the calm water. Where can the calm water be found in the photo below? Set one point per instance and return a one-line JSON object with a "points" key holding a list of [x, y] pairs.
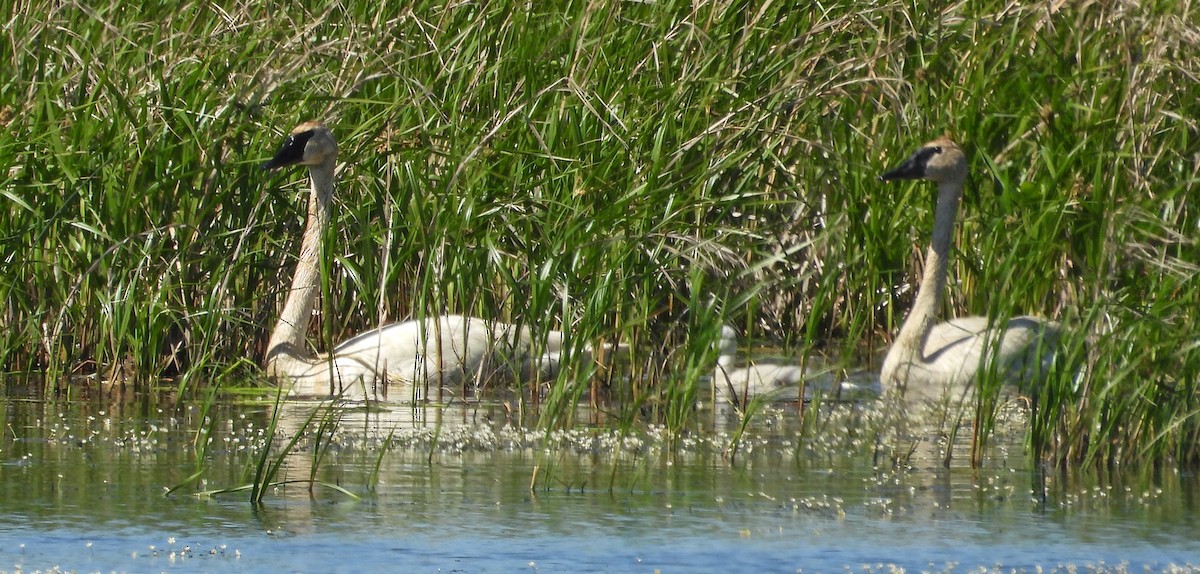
{"points": [[82, 488]]}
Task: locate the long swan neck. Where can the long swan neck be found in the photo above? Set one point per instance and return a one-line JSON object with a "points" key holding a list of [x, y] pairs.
{"points": [[292, 328], [911, 339]]}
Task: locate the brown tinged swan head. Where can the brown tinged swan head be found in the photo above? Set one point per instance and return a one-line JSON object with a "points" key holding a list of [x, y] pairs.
{"points": [[939, 161], [310, 144]]}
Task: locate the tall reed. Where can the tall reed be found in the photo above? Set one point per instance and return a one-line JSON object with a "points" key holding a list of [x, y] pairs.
{"points": [[609, 168]]}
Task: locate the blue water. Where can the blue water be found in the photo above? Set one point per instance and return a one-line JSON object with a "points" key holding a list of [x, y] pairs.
{"points": [[86, 495], [569, 534]]}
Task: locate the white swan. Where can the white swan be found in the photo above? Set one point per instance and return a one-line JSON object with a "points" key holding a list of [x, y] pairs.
{"points": [[931, 359], [447, 351], [771, 380], [736, 385]]}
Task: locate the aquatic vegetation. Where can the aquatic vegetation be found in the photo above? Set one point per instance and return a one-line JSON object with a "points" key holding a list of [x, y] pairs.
{"points": [[634, 172]]}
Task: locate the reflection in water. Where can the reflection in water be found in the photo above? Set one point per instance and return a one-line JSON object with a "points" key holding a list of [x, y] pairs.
{"points": [[82, 489]]}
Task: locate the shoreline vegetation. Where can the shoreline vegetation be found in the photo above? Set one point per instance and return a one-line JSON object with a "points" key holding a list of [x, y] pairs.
{"points": [[634, 171]]}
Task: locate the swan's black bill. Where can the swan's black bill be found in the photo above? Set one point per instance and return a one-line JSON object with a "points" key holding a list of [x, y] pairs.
{"points": [[291, 152], [913, 167]]}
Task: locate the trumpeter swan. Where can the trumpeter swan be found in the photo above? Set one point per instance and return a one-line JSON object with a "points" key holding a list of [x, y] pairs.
{"points": [[769, 379], [928, 359], [445, 351], [736, 385]]}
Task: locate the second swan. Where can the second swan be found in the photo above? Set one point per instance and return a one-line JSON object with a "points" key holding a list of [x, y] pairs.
{"points": [[929, 359]]}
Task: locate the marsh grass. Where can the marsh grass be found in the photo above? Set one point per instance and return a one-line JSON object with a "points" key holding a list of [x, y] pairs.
{"points": [[202, 439], [271, 457], [373, 480], [624, 170]]}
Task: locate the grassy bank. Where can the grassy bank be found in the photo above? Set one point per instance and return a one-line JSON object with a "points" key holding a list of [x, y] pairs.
{"points": [[641, 170]]}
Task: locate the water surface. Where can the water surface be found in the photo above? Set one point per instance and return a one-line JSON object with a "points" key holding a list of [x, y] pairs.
{"points": [[83, 489]]}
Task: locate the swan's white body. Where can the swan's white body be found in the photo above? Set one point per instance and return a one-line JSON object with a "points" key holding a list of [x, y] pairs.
{"points": [[770, 380], [406, 358], [736, 385], [403, 361], [928, 359]]}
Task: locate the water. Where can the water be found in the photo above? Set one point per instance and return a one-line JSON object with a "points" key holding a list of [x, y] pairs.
{"points": [[82, 489]]}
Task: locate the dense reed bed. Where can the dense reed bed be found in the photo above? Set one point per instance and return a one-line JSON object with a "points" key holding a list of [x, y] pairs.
{"points": [[641, 170]]}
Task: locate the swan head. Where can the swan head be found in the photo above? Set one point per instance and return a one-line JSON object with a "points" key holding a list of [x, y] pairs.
{"points": [[311, 144], [939, 161]]}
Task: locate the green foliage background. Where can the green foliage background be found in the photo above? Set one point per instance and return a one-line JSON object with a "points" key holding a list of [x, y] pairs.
{"points": [[642, 170]]}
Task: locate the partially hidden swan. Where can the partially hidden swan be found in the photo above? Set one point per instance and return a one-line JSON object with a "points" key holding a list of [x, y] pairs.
{"points": [[772, 380], [930, 359], [447, 351], [736, 385]]}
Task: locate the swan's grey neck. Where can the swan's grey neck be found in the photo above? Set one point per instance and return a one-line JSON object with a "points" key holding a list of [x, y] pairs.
{"points": [[727, 347], [292, 328], [909, 345]]}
